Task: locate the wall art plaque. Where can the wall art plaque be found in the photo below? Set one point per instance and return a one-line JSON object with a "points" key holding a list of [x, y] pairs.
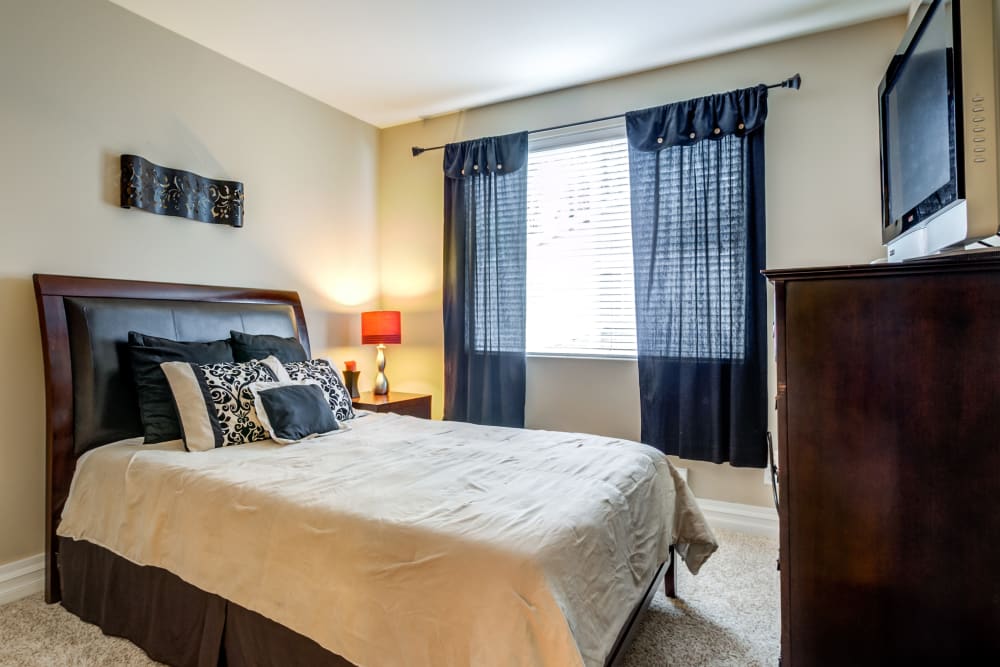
{"points": [[166, 191]]}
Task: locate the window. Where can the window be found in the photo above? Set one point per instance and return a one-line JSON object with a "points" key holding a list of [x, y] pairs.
{"points": [[580, 291]]}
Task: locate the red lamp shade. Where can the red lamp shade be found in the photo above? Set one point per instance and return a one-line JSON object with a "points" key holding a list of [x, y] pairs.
{"points": [[380, 327]]}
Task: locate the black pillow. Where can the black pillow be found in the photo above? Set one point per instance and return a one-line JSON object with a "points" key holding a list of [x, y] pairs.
{"points": [[294, 412], [251, 347], [156, 402]]}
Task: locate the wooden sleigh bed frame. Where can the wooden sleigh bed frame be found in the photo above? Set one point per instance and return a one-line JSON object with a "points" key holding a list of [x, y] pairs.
{"points": [[84, 328]]}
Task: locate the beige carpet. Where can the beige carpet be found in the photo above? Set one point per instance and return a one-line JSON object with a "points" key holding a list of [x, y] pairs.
{"points": [[727, 615]]}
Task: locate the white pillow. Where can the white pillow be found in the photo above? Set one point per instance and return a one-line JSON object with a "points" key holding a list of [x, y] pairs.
{"points": [[214, 401]]}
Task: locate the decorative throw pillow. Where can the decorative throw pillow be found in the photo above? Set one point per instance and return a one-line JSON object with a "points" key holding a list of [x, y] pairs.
{"points": [[249, 347], [156, 404], [293, 411], [323, 372], [215, 403]]}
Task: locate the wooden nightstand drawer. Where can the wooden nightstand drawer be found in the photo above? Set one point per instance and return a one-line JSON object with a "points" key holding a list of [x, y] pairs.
{"points": [[415, 405]]}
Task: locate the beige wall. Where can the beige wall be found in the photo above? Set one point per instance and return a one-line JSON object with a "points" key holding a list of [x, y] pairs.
{"points": [[822, 203], [81, 82]]}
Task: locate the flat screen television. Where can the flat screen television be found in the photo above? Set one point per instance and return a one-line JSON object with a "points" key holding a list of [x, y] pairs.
{"points": [[937, 104]]}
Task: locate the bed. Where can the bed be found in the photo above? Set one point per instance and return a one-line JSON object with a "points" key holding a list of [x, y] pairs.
{"points": [[397, 541]]}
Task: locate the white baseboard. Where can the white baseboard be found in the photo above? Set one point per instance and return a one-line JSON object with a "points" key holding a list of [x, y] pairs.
{"points": [[22, 578], [751, 519]]}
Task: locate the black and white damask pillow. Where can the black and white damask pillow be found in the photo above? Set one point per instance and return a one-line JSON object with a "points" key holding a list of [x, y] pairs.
{"points": [[215, 402], [323, 372]]}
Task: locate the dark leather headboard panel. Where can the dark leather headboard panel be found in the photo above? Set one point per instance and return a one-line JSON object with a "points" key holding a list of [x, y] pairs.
{"points": [[104, 398]]}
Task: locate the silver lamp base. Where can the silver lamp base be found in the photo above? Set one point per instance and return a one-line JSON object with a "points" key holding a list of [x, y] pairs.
{"points": [[381, 381]]}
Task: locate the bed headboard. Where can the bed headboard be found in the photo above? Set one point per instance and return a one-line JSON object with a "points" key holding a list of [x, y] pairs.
{"points": [[90, 396]]}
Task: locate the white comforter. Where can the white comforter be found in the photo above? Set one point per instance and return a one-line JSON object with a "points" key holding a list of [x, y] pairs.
{"points": [[405, 541]]}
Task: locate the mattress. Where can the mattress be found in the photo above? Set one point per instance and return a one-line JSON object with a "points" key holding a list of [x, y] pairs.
{"points": [[404, 541]]}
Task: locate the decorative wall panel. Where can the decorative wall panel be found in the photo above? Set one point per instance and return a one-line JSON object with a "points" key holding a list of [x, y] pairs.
{"points": [[166, 191]]}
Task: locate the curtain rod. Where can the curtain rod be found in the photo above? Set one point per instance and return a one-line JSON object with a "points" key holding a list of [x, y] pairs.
{"points": [[794, 82]]}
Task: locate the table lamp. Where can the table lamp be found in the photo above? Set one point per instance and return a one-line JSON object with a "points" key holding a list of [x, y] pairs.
{"points": [[380, 327]]}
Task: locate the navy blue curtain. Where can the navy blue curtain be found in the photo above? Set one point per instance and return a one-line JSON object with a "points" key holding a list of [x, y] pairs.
{"points": [[485, 248], [697, 189]]}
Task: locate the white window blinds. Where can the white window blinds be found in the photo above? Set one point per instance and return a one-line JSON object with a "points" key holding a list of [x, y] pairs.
{"points": [[580, 292]]}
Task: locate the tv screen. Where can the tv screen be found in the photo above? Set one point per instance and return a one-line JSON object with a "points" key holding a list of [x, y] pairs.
{"points": [[918, 125]]}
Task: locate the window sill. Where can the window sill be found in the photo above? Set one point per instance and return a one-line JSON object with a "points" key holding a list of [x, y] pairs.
{"points": [[584, 357]]}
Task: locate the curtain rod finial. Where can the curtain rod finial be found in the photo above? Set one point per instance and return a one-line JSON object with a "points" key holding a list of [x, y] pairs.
{"points": [[795, 82], [417, 150]]}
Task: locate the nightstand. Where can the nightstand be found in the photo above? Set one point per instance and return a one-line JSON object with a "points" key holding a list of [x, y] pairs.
{"points": [[415, 405]]}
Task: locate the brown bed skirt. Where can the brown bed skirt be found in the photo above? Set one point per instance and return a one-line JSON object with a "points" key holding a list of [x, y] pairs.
{"points": [[181, 625], [173, 621]]}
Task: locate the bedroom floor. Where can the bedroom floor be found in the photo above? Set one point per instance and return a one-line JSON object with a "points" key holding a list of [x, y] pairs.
{"points": [[728, 616]]}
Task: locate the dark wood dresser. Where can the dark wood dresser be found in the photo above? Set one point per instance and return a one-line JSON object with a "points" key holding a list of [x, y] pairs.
{"points": [[889, 462]]}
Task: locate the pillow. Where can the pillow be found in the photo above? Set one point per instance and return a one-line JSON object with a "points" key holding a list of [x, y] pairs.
{"points": [[293, 411], [323, 372], [248, 347], [156, 403], [215, 403]]}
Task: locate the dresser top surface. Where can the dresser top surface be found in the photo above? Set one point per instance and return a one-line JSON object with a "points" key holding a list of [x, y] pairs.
{"points": [[975, 260]]}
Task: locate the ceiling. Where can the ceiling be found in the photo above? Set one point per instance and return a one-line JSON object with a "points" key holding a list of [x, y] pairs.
{"points": [[393, 61]]}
